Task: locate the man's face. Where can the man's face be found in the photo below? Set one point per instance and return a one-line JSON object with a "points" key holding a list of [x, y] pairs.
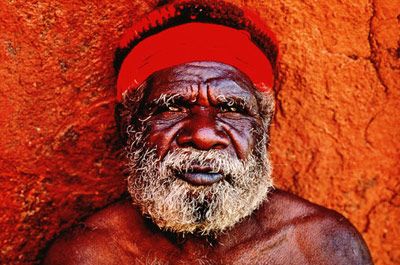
{"points": [[197, 152]]}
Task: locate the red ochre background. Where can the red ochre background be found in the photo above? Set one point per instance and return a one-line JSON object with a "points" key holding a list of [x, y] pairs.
{"points": [[335, 138]]}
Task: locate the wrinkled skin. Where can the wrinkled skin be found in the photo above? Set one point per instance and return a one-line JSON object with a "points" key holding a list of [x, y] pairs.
{"points": [[284, 230], [202, 119]]}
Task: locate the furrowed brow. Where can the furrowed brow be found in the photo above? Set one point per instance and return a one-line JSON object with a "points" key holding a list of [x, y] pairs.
{"points": [[232, 100], [165, 100]]}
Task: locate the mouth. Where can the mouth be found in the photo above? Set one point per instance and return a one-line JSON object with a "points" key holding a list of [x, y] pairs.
{"points": [[200, 176]]}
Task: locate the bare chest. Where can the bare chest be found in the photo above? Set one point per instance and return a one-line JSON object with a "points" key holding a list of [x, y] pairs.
{"points": [[279, 249]]}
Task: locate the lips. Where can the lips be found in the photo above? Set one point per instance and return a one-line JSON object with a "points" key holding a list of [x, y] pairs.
{"points": [[199, 176]]}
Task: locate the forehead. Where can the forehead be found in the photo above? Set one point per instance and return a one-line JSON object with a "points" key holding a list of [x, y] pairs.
{"points": [[186, 79]]}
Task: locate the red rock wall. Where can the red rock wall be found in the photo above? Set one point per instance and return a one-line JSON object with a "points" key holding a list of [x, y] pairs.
{"points": [[335, 139]]}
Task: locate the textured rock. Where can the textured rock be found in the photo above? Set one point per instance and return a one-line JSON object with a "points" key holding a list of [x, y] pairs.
{"points": [[335, 139]]}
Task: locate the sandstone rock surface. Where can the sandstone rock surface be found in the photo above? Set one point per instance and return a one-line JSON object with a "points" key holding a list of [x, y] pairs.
{"points": [[335, 138]]}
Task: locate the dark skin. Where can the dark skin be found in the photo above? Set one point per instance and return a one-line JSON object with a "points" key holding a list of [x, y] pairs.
{"points": [[284, 230]]}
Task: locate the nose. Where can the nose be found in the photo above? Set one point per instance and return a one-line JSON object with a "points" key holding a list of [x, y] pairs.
{"points": [[202, 132]]}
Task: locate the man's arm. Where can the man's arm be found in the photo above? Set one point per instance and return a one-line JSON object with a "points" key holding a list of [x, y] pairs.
{"points": [[110, 236], [75, 247], [331, 239]]}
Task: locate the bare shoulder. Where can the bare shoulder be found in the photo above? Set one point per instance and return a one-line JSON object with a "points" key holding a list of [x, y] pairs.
{"points": [[321, 235], [98, 240]]}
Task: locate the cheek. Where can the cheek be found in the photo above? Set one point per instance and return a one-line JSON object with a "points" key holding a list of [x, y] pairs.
{"points": [[162, 133], [241, 133]]}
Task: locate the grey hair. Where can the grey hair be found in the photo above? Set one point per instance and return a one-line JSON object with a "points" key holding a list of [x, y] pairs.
{"points": [[266, 107], [129, 109]]}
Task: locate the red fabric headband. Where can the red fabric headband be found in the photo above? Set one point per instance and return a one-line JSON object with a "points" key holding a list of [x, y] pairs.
{"points": [[193, 42]]}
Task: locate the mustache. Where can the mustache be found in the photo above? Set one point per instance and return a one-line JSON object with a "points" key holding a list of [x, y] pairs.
{"points": [[190, 159]]}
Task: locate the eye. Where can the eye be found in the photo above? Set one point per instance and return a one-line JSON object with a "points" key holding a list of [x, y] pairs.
{"points": [[226, 108], [169, 108], [172, 108]]}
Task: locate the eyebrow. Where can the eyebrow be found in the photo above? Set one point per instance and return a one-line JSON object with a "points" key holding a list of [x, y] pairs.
{"points": [[232, 100], [166, 99]]}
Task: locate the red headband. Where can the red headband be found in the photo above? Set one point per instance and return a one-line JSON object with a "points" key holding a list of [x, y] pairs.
{"points": [[193, 42]]}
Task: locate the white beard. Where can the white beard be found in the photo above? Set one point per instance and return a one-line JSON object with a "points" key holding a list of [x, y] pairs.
{"points": [[176, 205]]}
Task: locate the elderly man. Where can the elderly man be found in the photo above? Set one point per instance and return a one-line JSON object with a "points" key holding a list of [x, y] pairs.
{"points": [[195, 81]]}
